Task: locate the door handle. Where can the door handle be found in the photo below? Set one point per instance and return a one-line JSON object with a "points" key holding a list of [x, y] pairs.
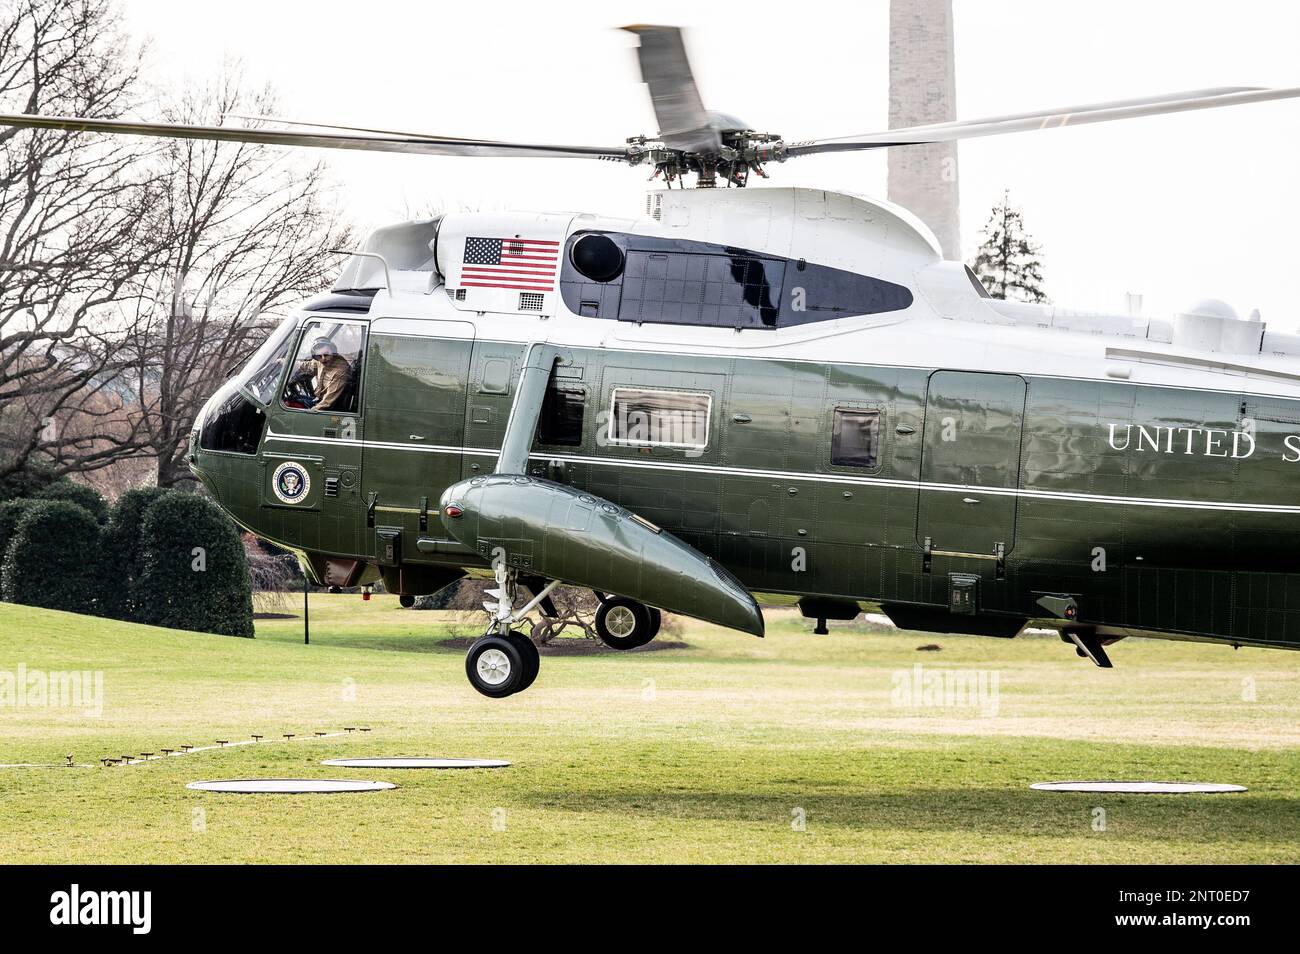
{"points": [[555, 470], [969, 500]]}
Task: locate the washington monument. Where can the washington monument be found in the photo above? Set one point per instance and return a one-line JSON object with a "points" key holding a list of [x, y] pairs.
{"points": [[923, 89]]}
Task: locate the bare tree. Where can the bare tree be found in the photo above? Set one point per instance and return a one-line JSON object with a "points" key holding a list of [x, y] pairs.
{"points": [[70, 243], [133, 277], [248, 230]]}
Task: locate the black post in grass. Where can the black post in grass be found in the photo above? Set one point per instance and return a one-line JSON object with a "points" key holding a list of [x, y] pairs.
{"points": [[306, 610]]}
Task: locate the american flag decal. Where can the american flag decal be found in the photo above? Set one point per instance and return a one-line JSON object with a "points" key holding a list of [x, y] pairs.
{"points": [[523, 264]]}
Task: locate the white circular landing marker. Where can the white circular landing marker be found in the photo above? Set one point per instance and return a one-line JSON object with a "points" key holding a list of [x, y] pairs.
{"points": [[289, 786], [404, 762], [1140, 788]]}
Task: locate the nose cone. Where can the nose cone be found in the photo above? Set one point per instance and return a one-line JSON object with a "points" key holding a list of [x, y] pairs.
{"points": [[563, 534]]}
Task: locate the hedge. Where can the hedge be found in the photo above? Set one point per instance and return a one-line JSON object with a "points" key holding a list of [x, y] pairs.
{"points": [[195, 575], [122, 552], [52, 560], [26, 481], [11, 511], [79, 494]]}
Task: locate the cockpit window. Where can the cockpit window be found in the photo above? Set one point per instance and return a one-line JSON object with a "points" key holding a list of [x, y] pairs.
{"points": [[231, 422], [326, 372], [264, 367]]}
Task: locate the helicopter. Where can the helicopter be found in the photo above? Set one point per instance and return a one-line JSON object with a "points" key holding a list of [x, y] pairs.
{"points": [[752, 397]]}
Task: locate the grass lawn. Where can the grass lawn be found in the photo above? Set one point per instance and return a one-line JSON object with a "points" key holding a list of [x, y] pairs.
{"points": [[709, 752]]}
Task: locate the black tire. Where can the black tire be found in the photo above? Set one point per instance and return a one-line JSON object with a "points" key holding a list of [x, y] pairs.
{"points": [[531, 657], [656, 620], [623, 623], [503, 674]]}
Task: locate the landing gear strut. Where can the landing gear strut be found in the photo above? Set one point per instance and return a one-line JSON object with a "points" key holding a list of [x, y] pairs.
{"points": [[503, 661]]}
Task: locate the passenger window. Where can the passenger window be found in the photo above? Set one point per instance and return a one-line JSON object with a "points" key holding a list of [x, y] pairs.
{"points": [[721, 291], [660, 418], [855, 438], [327, 370], [560, 424]]}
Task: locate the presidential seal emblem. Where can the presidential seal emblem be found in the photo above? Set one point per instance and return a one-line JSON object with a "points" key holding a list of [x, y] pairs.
{"points": [[290, 482]]}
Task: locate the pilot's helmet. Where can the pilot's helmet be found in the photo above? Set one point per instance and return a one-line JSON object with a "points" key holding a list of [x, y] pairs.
{"points": [[322, 347]]}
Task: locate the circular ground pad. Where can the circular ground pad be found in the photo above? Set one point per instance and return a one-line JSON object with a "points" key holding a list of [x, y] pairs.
{"points": [[289, 786], [406, 762], [1140, 788]]}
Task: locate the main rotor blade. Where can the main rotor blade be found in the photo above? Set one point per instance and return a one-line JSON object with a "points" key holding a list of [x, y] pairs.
{"points": [[1111, 104], [303, 124], [683, 122], [1046, 119], [372, 142]]}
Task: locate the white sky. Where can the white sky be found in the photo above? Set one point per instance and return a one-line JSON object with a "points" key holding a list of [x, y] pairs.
{"points": [[1175, 207]]}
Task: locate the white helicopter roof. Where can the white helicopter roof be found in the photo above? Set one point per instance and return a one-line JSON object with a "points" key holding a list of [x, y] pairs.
{"points": [[950, 310]]}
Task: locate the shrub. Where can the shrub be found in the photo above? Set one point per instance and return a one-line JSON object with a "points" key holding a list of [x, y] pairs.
{"points": [[195, 575], [449, 597], [122, 552], [79, 494], [26, 481], [11, 511], [53, 557]]}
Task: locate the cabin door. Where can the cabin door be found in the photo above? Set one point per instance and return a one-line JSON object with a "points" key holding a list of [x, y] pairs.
{"points": [[970, 463], [415, 381]]}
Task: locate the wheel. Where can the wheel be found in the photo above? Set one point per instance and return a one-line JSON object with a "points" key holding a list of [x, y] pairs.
{"points": [[495, 666], [623, 624], [531, 657], [656, 620]]}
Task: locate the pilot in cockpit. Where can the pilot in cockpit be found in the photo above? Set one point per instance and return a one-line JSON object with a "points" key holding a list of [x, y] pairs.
{"points": [[330, 373]]}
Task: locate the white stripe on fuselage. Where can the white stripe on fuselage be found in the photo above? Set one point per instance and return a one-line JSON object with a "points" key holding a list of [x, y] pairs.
{"points": [[811, 478]]}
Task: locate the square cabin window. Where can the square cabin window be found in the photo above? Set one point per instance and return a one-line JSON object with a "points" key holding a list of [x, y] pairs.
{"points": [[855, 438], [649, 418]]}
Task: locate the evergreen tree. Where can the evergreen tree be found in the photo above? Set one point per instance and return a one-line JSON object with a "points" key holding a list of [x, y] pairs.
{"points": [[1008, 260]]}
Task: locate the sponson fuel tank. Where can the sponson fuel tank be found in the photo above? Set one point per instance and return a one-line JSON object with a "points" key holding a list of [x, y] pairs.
{"points": [[560, 533]]}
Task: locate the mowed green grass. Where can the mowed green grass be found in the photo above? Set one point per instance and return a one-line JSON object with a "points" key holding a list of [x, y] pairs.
{"points": [[712, 752]]}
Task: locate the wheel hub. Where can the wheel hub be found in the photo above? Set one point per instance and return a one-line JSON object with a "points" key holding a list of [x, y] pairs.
{"points": [[621, 622], [494, 667]]}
